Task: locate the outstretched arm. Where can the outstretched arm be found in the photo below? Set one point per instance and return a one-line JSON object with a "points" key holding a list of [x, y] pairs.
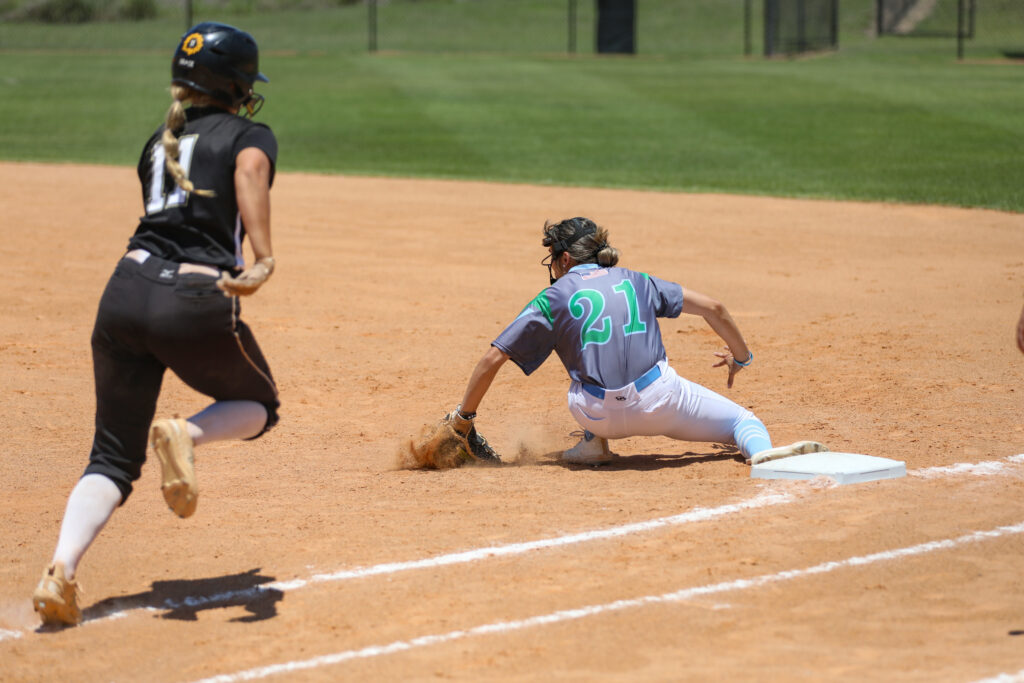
{"points": [[722, 323], [480, 380]]}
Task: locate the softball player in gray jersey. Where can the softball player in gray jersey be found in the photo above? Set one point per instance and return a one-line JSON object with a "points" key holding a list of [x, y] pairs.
{"points": [[602, 321]]}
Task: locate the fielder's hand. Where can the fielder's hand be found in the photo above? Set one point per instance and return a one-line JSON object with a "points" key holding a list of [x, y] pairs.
{"points": [[729, 361], [250, 279], [460, 424]]}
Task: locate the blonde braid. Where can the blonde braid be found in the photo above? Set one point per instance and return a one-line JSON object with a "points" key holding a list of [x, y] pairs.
{"points": [[175, 123]]}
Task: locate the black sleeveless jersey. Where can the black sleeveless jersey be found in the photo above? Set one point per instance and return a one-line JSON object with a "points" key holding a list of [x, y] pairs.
{"points": [[183, 226]]}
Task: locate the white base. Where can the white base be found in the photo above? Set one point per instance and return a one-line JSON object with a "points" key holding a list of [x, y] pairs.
{"points": [[845, 468]]}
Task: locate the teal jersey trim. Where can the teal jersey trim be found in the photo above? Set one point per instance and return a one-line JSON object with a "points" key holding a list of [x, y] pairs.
{"points": [[541, 303]]}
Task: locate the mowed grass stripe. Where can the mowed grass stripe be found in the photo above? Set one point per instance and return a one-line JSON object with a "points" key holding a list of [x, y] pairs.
{"points": [[875, 121]]}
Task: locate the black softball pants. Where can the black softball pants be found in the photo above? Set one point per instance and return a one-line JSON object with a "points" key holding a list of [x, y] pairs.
{"points": [[152, 318]]}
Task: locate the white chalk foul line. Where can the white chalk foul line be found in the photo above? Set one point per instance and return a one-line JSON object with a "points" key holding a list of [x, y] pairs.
{"points": [[695, 515], [977, 469], [618, 605], [698, 514], [1005, 678]]}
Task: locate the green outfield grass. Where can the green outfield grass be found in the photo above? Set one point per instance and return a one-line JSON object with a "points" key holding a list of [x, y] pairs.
{"points": [[891, 119]]}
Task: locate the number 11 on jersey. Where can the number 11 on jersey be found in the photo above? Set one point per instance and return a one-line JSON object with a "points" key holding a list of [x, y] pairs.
{"points": [[157, 200]]}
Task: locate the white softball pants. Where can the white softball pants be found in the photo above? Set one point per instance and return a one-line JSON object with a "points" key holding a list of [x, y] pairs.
{"points": [[670, 406]]}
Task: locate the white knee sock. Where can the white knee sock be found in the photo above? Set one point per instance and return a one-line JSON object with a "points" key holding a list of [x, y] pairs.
{"points": [[90, 505], [225, 420]]}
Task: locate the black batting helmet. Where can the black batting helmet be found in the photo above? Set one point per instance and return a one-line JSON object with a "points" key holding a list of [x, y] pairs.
{"points": [[581, 227], [220, 61]]}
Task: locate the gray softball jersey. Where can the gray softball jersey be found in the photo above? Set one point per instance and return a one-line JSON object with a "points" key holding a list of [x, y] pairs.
{"points": [[602, 322]]}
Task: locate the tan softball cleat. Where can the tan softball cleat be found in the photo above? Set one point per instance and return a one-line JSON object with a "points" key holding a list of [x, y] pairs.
{"points": [[173, 445], [591, 450], [55, 598], [798, 448]]}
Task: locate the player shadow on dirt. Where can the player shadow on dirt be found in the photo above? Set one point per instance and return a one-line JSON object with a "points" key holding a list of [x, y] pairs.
{"points": [[183, 599], [643, 462]]}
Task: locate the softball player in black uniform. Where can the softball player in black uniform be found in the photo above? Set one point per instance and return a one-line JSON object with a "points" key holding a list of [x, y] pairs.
{"points": [[172, 301]]}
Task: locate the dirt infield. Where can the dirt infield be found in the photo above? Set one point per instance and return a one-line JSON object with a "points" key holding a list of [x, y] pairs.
{"points": [[878, 329]]}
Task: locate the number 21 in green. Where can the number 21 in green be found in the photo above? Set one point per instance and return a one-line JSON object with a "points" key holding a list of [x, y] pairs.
{"points": [[591, 334], [635, 324]]}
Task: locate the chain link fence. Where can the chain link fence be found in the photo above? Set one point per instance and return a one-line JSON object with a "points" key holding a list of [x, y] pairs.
{"points": [[663, 27], [979, 29], [695, 28], [798, 26]]}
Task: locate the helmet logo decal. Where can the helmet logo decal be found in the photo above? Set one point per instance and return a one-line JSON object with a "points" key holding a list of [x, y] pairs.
{"points": [[192, 44], [219, 61]]}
